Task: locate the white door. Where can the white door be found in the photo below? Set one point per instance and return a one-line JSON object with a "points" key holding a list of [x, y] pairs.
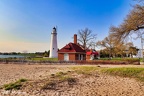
{"points": [[66, 57], [81, 57]]}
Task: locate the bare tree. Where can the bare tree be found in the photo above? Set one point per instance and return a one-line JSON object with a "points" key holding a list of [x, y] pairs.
{"points": [[86, 38]]}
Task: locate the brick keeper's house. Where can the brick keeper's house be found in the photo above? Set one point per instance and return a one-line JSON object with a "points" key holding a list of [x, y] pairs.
{"points": [[72, 51]]}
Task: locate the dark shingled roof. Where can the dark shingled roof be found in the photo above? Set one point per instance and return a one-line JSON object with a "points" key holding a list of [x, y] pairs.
{"points": [[71, 47]]}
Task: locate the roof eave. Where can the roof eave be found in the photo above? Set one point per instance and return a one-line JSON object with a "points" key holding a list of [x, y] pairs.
{"points": [[73, 52]]}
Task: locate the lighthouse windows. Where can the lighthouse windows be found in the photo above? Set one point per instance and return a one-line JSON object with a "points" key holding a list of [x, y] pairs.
{"points": [[53, 48]]}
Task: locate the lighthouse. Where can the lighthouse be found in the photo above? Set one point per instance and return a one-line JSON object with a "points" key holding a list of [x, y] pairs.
{"points": [[53, 44]]}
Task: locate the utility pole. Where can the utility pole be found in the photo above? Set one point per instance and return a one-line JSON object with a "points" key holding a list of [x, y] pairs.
{"points": [[141, 37], [141, 46]]}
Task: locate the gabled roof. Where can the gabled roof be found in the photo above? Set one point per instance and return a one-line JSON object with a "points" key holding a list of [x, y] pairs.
{"points": [[92, 53], [72, 48]]}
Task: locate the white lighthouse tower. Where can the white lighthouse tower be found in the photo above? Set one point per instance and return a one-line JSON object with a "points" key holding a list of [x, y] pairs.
{"points": [[53, 44]]}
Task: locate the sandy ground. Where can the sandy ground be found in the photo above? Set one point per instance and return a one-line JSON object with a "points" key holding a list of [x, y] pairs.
{"points": [[97, 85]]}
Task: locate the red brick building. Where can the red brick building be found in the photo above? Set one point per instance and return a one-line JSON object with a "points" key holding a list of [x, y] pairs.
{"points": [[72, 51], [92, 54]]}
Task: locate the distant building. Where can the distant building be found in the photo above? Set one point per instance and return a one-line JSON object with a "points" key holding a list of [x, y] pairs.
{"points": [[53, 44], [140, 53], [72, 51], [92, 54]]}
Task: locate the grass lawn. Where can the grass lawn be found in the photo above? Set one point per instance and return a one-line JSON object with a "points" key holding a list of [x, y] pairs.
{"points": [[137, 73], [45, 59]]}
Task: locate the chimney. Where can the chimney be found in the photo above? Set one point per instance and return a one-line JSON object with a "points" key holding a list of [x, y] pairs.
{"points": [[75, 38]]}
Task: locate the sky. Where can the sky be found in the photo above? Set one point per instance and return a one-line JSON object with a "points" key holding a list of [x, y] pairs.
{"points": [[26, 25]]}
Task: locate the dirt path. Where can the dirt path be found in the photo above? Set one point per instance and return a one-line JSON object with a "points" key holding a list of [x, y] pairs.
{"points": [[97, 85]]}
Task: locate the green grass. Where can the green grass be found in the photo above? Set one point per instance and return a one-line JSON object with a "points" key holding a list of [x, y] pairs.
{"points": [[16, 85], [64, 76], [45, 59], [141, 59], [121, 59], [87, 70], [59, 74], [137, 73], [117, 59]]}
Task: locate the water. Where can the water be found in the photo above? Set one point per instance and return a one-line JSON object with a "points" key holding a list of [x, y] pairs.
{"points": [[11, 56]]}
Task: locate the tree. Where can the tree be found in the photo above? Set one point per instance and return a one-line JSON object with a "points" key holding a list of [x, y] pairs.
{"points": [[116, 48], [46, 53], [107, 43], [104, 53], [133, 21], [86, 38]]}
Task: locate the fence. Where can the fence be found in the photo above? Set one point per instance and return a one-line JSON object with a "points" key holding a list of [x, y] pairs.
{"points": [[78, 62]]}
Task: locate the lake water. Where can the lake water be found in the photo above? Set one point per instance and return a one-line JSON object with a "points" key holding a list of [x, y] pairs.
{"points": [[11, 56]]}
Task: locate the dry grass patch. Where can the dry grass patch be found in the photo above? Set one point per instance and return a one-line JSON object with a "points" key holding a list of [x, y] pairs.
{"points": [[137, 73], [85, 70], [49, 85], [56, 79]]}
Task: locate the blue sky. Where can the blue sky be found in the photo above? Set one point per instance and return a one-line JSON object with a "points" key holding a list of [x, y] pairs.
{"points": [[27, 24]]}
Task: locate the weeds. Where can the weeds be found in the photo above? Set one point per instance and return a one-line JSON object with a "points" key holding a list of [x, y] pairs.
{"points": [[137, 73], [59, 74], [86, 70], [52, 75], [58, 78], [65, 77], [16, 85], [22, 80], [49, 85], [71, 81]]}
